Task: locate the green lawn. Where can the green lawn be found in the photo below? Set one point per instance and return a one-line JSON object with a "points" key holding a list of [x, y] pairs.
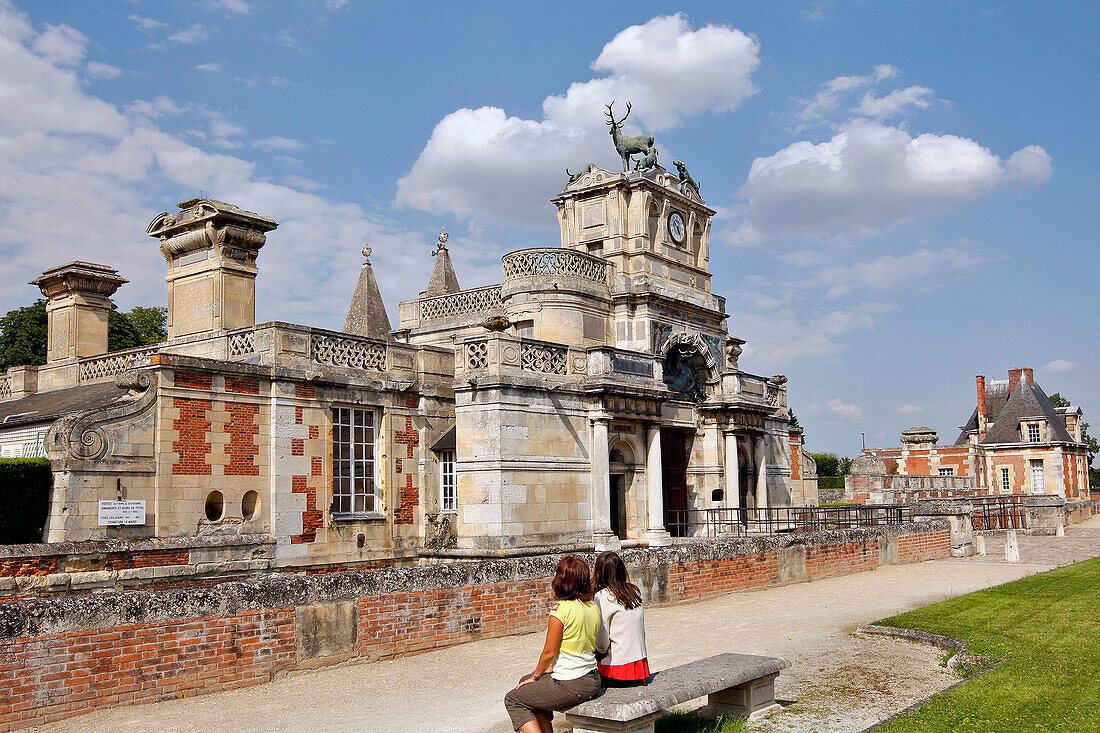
{"points": [[1048, 626]]}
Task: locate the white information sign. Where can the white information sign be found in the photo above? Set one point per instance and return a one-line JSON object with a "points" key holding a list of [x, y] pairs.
{"points": [[121, 512]]}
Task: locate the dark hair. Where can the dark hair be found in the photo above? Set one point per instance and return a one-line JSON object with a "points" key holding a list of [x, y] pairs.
{"points": [[572, 581], [611, 574]]}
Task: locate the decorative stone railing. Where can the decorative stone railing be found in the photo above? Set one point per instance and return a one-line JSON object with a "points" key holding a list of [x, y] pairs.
{"points": [[5, 386], [555, 261], [241, 344], [609, 361], [754, 388], [475, 305], [498, 354], [343, 350], [110, 365]]}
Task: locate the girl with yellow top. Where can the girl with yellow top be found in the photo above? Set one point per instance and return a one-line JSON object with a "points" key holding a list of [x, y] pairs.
{"points": [[565, 674]]}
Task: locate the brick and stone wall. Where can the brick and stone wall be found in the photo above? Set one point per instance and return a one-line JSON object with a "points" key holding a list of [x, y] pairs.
{"points": [[155, 645]]}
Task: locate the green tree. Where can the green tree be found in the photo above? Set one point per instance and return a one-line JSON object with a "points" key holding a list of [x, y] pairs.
{"points": [[1090, 442], [23, 336], [830, 464], [150, 323], [23, 332]]}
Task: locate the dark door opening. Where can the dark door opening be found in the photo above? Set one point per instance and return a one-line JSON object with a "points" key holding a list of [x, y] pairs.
{"points": [[674, 470], [617, 523]]}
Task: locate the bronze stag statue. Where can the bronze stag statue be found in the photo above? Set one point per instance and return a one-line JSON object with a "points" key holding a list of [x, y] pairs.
{"points": [[627, 145]]}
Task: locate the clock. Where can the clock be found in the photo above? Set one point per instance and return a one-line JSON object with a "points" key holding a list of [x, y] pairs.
{"points": [[676, 228]]}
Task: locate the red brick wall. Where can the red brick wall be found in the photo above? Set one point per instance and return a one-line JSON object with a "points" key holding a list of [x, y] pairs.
{"points": [[192, 446], [241, 448], [55, 675], [694, 581], [853, 557], [409, 497], [47, 678]]}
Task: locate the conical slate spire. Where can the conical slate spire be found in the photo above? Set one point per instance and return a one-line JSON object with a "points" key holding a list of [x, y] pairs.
{"points": [[443, 279], [367, 314]]}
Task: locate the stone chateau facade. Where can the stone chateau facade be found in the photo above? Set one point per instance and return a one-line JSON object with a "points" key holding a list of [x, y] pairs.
{"points": [[1015, 442], [592, 398]]}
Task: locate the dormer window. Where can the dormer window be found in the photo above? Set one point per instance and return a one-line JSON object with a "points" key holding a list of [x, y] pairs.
{"points": [[1033, 433]]}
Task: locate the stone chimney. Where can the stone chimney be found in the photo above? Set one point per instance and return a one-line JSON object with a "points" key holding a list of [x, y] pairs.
{"points": [[983, 410], [443, 280], [78, 304], [211, 249], [1013, 379], [367, 313]]}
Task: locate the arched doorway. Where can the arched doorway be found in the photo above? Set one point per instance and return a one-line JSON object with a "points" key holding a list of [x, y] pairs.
{"points": [[621, 469]]}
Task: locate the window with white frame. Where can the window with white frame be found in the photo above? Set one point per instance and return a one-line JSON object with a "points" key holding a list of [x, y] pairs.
{"points": [[1033, 433], [947, 472], [353, 485], [1037, 484], [1006, 482], [448, 491]]}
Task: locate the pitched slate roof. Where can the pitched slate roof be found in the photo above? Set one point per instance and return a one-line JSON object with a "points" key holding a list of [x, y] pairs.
{"points": [[46, 407], [1005, 411]]}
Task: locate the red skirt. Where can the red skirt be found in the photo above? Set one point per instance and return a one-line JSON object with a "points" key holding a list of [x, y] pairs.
{"points": [[630, 672]]}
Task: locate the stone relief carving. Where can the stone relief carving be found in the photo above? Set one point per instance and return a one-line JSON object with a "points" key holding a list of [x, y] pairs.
{"points": [[81, 435]]}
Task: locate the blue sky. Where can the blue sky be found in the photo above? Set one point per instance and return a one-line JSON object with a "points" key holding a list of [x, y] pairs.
{"points": [[906, 190]]}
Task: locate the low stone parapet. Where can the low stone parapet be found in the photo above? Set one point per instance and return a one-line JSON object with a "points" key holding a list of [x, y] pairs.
{"points": [[161, 644], [957, 513], [63, 567]]}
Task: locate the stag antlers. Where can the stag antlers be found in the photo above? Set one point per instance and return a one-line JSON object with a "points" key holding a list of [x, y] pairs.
{"points": [[611, 114]]}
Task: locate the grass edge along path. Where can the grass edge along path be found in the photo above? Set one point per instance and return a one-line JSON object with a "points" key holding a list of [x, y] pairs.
{"points": [[1047, 627]]}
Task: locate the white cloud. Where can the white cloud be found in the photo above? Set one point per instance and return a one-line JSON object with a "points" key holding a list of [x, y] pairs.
{"points": [[100, 70], [485, 163], [147, 24], [194, 34], [908, 409], [777, 337], [221, 130], [840, 409], [160, 106], [61, 44], [829, 94], [890, 271], [82, 178], [208, 67], [870, 177], [1059, 366], [239, 7], [896, 102], [275, 142]]}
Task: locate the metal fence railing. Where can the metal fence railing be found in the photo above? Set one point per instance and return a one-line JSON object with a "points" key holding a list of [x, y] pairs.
{"points": [[998, 512], [772, 520]]}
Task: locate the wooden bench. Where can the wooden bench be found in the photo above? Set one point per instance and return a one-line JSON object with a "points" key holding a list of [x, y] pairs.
{"points": [[735, 684]]}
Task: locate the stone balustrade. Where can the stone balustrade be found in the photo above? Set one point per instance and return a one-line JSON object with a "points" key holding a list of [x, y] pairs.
{"points": [[608, 361], [5, 386], [503, 354], [754, 388], [554, 262], [108, 366]]}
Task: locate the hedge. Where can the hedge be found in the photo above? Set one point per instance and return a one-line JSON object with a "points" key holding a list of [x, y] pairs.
{"points": [[25, 496], [830, 482]]}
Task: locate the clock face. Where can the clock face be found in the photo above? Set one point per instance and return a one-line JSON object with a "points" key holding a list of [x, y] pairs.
{"points": [[676, 228]]}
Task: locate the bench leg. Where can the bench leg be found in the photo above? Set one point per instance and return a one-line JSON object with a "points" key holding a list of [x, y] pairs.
{"points": [[752, 699], [585, 724]]}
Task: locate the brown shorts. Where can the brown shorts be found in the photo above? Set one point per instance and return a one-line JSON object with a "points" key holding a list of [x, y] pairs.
{"points": [[547, 694]]}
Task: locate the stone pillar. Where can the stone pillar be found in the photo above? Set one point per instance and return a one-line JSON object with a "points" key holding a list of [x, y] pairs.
{"points": [[79, 302], [601, 489], [656, 534], [1045, 514], [733, 468], [958, 514], [211, 249], [761, 458]]}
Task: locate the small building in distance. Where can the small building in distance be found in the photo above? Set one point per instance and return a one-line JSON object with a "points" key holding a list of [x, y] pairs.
{"points": [[1015, 442]]}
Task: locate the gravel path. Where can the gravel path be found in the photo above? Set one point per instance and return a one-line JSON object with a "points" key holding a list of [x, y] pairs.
{"points": [[837, 682]]}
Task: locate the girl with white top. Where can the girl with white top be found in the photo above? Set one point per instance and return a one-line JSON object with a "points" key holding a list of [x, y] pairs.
{"points": [[622, 631]]}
